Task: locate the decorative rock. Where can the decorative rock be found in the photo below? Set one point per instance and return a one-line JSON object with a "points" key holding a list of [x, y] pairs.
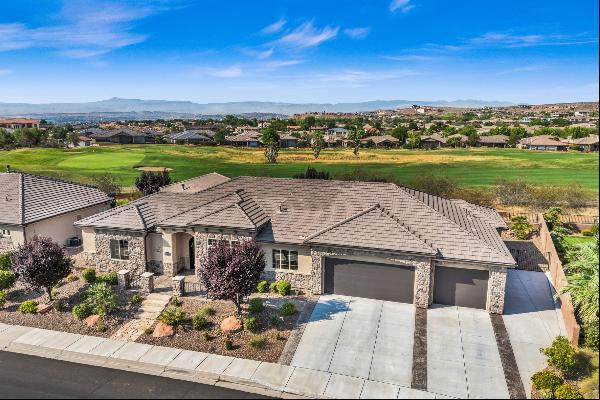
{"points": [[43, 308], [231, 324], [92, 320], [163, 330]]}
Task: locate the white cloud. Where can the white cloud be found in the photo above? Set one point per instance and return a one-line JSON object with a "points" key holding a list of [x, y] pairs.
{"points": [[283, 63], [233, 71], [410, 57], [402, 5], [527, 68], [307, 35], [357, 33], [361, 76], [274, 27]]}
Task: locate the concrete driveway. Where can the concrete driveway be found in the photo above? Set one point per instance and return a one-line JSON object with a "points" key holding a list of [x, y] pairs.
{"points": [[362, 338]]}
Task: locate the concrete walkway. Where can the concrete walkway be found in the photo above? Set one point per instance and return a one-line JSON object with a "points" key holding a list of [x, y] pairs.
{"points": [[532, 319], [149, 310]]}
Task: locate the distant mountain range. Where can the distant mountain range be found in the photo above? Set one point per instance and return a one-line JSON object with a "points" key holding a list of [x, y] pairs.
{"points": [[118, 105]]}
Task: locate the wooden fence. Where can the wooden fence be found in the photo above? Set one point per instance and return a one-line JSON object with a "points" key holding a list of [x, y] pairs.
{"points": [[536, 218], [559, 281]]}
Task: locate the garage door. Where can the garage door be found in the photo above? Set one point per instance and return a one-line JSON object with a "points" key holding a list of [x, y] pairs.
{"points": [[370, 280], [460, 287]]}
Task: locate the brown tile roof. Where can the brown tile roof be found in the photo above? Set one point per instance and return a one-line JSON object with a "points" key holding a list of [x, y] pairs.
{"points": [[377, 139], [306, 211], [502, 139], [26, 198], [543, 141], [19, 121]]}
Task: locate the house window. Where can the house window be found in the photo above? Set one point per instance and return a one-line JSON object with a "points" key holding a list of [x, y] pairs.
{"points": [[212, 242], [119, 249], [285, 259], [4, 233]]}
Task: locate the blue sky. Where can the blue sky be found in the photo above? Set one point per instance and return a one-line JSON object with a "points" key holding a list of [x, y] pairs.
{"points": [[298, 51]]}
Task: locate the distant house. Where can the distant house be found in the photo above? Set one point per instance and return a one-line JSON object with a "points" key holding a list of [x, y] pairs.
{"points": [[19, 123], [386, 141], [287, 140], [588, 143], [545, 143], [462, 138], [339, 132], [493, 141], [84, 141], [119, 136], [246, 129], [433, 141], [251, 139], [187, 137]]}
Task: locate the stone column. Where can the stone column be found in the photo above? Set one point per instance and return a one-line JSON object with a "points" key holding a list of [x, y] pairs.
{"points": [[422, 284], [147, 282], [124, 277], [178, 286], [496, 290]]}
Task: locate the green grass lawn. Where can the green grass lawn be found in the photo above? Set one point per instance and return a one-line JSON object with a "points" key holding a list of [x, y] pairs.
{"points": [[470, 167], [575, 240]]}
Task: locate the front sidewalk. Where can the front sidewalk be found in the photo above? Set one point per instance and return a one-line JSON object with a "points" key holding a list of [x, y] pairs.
{"points": [[263, 378]]}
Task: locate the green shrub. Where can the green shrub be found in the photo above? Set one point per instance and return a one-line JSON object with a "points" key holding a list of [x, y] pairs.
{"points": [[172, 316], [60, 306], [521, 227], [273, 287], [590, 335], [567, 392], [251, 324], [206, 336], [587, 232], [100, 327], [82, 311], [2, 299], [28, 307], [135, 299], [546, 380], [262, 286], [284, 288], [175, 302], [275, 321], [149, 331], [5, 262], [257, 341], [109, 278], [7, 279], [560, 355], [101, 298], [255, 306], [199, 322], [208, 311], [89, 275], [228, 344], [288, 309]]}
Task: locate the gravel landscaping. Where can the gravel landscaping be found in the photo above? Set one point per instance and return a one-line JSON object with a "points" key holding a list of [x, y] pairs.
{"points": [[275, 334], [66, 293]]}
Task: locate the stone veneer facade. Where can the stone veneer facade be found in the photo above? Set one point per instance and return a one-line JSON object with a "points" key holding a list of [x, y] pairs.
{"points": [[102, 261], [497, 290], [6, 245], [201, 243]]}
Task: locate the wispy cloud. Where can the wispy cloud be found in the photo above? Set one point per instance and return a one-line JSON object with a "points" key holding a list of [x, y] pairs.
{"points": [[527, 68], [401, 5], [362, 76], [5, 72], [357, 33], [283, 63], [234, 71], [274, 27], [410, 57], [307, 35]]}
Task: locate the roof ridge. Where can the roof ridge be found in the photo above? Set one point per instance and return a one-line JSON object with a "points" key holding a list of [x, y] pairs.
{"points": [[408, 228], [22, 197], [198, 206], [350, 218], [196, 177], [50, 178], [137, 208]]}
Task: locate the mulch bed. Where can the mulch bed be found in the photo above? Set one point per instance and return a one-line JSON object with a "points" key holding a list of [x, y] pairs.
{"points": [[276, 335], [64, 321]]}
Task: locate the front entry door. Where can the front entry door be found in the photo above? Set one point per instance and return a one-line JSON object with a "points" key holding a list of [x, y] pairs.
{"points": [[192, 254]]}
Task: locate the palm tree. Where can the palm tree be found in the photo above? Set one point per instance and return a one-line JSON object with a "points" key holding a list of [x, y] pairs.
{"points": [[582, 280]]}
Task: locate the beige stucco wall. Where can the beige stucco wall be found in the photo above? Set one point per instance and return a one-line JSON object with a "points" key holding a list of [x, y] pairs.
{"points": [[61, 227], [304, 258], [154, 247], [88, 240], [15, 238]]}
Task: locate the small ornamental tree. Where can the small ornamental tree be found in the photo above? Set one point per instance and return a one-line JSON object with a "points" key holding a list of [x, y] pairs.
{"points": [[270, 139], [150, 182], [317, 143], [231, 272], [41, 264]]}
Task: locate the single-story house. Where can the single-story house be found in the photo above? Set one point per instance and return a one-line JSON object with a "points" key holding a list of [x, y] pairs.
{"points": [[287, 140], [251, 139], [493, 141], [433, 141], [364, 239], [187, 137], [36, 205], [119, 136], [84, 141], [463, 139], [339, 132], [19, 123], [588, 143], [382, 141], [544, 143]]}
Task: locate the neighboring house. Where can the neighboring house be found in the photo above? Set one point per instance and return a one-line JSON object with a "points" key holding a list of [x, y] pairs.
{"points": [[338, 132], [187, 137], [19, 123], [246, 129], [544, 143], [588, 143], [464, 140], [493, 141], [119, 136], [374, 240], [35, 205], [287, 140], [433, 141], [84, 141], [386, 141], [251, 139]]}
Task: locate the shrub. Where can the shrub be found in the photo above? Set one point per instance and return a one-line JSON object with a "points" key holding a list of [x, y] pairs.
{"points": [[82, 311], [587, 232], [273, 287], [560, 355], [546, 380], [2, 299], [521, 227], [206, 336], [172, 316], [251, 324], [101, 298], [149, 331], [60, 306], [255, 306], [5, 262], [262, 286], [288, 309], [552, 217], [135, 299], [71, 277], [284, 288], [199, 322], [89, 275], [567, 392], [110, 278], [100, 327], [7, 279], [28, 307], [257, 341], [590, 335], [175, 302], [228, 344], [208, 311]]}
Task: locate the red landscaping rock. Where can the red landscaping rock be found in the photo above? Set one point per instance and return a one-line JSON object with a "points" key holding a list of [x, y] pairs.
{"points": [[231, 324], [92, 320], [163, 330], [43, 308]]}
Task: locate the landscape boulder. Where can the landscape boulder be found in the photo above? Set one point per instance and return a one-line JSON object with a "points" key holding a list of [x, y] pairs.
{"points": [[92, 320], [163, 330], [231, 324], [43, 308]]}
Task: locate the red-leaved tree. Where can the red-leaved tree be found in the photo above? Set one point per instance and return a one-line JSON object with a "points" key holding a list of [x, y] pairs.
{"points": [[40, 263], [231, 272]]}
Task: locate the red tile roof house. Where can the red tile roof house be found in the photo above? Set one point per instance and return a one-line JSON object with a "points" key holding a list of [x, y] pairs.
{"points": [[18, 123], [373, 240], [35, 205]]}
